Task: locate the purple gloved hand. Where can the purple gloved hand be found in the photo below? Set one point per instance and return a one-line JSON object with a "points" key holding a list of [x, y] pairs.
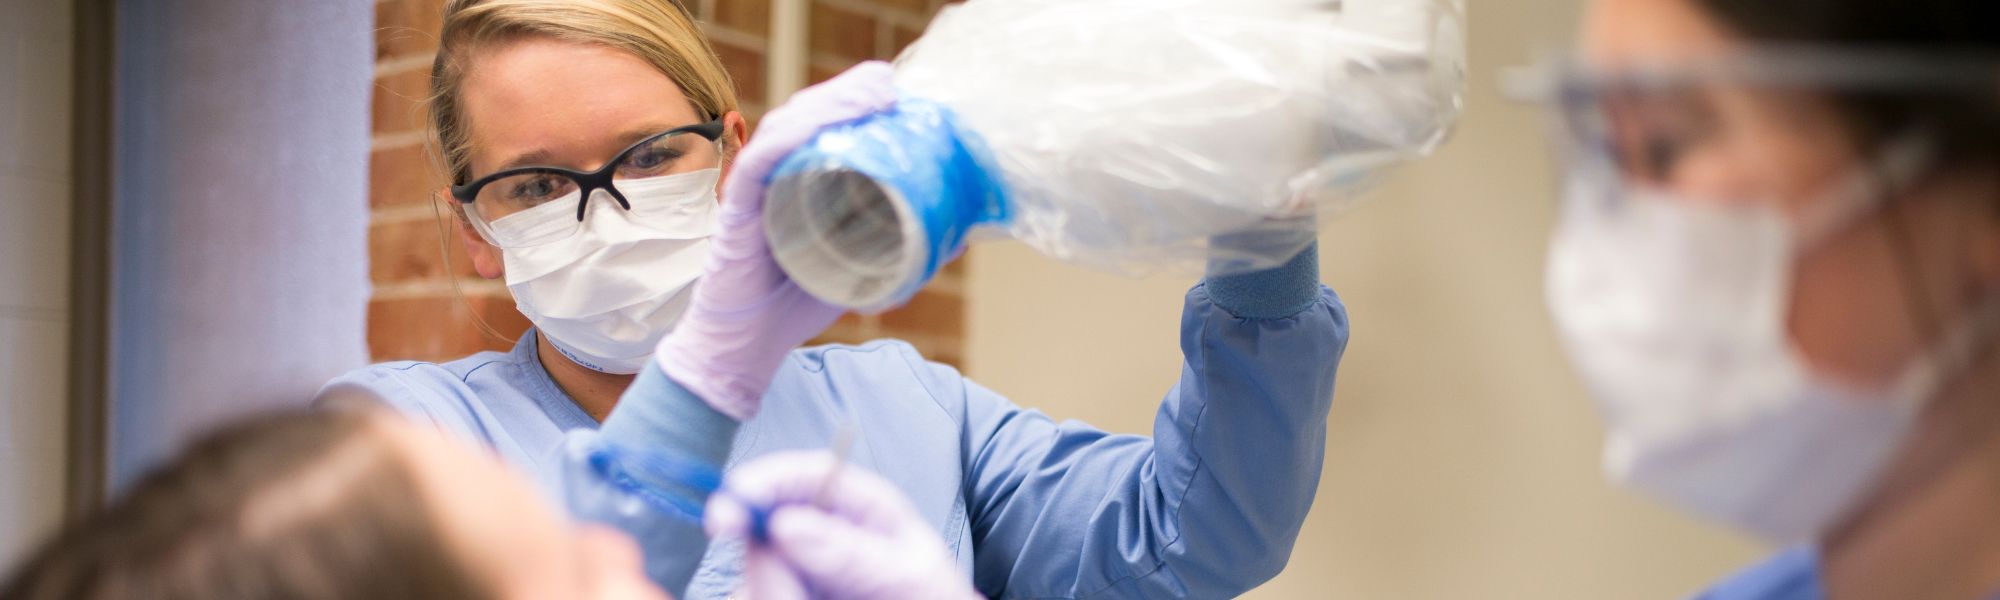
{"points": [[852, 537], [746, 315]]}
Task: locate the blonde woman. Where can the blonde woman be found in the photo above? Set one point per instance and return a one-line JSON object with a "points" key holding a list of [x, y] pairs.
{"points": [[588, 141]]}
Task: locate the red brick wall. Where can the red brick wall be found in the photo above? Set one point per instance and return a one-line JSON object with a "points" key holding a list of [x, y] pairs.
{"points": [[417, 314]]}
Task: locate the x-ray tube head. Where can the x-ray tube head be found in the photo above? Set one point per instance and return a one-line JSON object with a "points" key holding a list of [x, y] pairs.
{"points": [[843, 237], [866, 212]]}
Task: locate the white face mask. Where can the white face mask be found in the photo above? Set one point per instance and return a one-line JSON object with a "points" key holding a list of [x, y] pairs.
{"points": [[1674, 313], [605, 296]]}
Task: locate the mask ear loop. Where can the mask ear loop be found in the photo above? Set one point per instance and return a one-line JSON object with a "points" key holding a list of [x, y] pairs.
{"points": [[1893, 170], [451, 273], [1897, 172], [1951, 351]]}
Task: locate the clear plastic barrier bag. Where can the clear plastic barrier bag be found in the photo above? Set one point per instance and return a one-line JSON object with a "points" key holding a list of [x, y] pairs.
{"points": [[1129, 135]]}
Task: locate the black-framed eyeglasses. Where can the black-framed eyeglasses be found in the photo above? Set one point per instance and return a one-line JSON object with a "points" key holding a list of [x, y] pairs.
{"points": [[518, 207]]}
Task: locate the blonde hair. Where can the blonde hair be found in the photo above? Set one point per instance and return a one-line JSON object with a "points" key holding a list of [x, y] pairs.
{"points": [[661, 32]]}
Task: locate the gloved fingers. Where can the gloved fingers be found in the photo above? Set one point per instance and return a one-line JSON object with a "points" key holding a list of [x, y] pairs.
{"points": [[725, 516], [735, 336], [822, 547], [861, 90], [864, 89], [736, 245], [802, 477], [790, 476], [744, 299], [833, 555], [736, 240], [767, 576]]}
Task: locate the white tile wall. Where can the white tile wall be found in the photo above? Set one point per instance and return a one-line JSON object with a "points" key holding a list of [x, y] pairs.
{"points": [[35, 90]]}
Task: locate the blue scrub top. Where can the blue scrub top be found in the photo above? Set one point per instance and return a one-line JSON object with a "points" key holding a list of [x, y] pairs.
{"points": [[1791, 575], [1208, 506]]}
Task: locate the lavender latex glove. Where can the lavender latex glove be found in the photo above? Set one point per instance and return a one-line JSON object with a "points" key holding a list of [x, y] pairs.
{"points": [[746, 315], [851, 537]]}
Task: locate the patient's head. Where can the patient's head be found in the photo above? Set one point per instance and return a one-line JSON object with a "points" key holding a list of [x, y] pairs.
{"points": [[332, 504]]}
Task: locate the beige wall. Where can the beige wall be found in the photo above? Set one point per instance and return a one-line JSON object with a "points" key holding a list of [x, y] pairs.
{"points": [[1462, 456], [34, 267]]}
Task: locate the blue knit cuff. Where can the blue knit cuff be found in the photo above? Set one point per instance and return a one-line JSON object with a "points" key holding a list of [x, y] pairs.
{"points": [[657, 413], [1269, 294]]}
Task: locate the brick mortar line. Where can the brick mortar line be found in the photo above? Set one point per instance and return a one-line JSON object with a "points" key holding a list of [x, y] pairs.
{"points": [[881, 13], [885, 38], [402, 63], [396, 140], [846, 330], [926, 343], [398, 215], [438, 287], [947, 285], [831, 62], [732, 37]]}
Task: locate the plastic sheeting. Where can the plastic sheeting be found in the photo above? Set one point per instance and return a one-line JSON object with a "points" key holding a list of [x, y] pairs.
{"points": [[1136, 135]]}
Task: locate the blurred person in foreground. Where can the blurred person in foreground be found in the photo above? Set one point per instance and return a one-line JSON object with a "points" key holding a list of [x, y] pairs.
{"points": [[325, 505], [360, 503]]}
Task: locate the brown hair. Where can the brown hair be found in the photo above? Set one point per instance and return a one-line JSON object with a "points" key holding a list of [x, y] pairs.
{"points": [[1964, 122], [659, 31], [299, 505]]}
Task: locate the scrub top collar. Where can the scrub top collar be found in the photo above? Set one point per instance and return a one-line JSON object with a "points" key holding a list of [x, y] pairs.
{"points": [[534, 381]]}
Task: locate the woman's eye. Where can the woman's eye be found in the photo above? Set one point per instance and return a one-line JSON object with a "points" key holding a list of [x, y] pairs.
{"points": [[651, 159], [536, 189], [1653, 134], [1661, 155]]}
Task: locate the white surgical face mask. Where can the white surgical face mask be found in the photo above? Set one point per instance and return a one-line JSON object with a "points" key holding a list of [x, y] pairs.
{"points": [[1674, 313], [606, 295]]}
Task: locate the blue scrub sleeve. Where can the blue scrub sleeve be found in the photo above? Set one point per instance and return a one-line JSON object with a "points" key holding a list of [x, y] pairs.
{"points": [[1210, 506], [1791, 575], [649, 471]]}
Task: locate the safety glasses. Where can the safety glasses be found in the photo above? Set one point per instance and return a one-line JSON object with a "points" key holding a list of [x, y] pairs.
{"points": [[531, 206], [1644, 120]]}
